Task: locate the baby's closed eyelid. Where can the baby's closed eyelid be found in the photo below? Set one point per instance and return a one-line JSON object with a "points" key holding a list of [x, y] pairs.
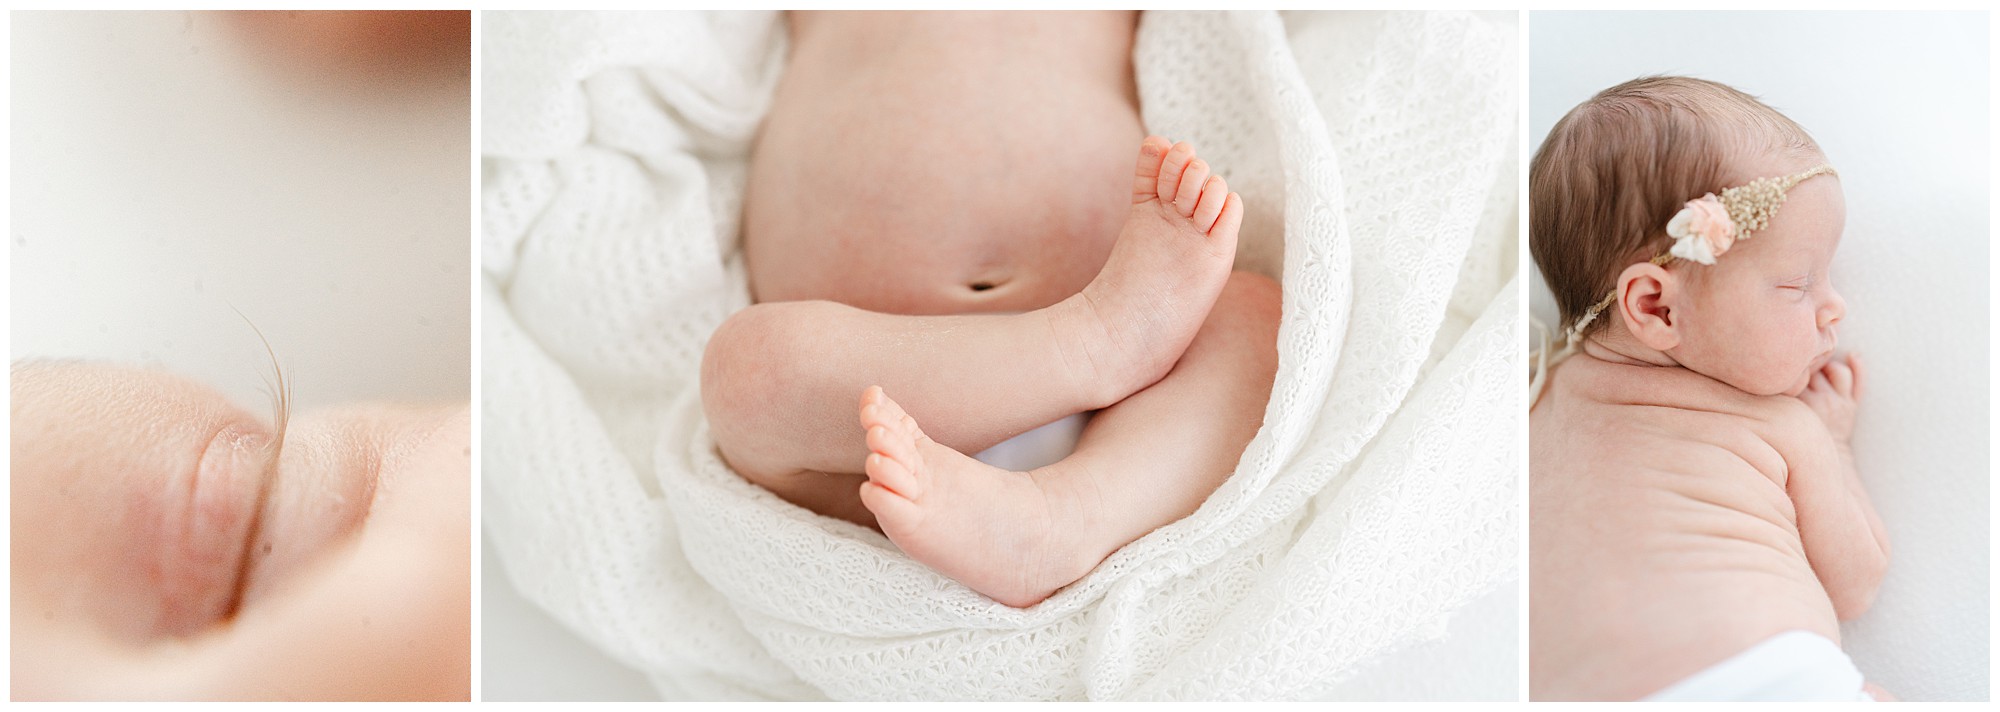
{"points": [[206, 520], [133, 488]]}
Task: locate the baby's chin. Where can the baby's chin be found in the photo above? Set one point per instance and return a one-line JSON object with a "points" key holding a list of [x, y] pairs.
{"points": [[1769, 385], [1805, 377]]}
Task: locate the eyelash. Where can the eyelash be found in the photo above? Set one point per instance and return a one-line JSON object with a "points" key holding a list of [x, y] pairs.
{"points": [[281, 405]]}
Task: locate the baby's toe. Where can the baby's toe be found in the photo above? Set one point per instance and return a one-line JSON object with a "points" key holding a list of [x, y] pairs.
{"points": [[1230, 220], [1169, 185], [1189, 192], [883, 441], [1152, 152], [1214, 195], [893, 512], [893, 476]]}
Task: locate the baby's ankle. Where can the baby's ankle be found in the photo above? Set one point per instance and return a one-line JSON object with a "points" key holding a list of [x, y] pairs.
{"points": [[1084, 535], [1102, 369]]}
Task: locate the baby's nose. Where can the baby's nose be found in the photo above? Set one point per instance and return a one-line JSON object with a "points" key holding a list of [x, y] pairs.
{"points": [[1832, 310]]}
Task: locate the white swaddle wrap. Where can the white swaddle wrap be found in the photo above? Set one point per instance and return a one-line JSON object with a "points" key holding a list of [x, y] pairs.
{"points": [[1376, 155]]}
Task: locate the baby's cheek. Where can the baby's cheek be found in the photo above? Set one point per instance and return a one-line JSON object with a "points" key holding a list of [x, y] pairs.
{"points": [[1799, 385], [1763, 365], [361, 467], [1772, 347]]}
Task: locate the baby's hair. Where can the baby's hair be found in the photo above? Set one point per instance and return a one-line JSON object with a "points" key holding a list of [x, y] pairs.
{"points": [[1615, 169]]}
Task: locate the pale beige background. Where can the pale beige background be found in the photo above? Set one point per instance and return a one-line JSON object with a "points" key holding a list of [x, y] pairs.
{"points": [[163, 171]]}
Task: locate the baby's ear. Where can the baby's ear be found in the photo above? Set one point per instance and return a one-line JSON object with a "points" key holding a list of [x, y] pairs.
{"points": [[1647, 294]]}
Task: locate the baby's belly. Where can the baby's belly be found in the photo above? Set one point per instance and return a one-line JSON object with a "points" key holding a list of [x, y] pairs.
{"points": [[1645, 573], [943, 163]]}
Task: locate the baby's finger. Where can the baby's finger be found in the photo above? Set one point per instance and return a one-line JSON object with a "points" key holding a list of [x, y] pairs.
{"points": [[1860, 379], [1840, 376]]}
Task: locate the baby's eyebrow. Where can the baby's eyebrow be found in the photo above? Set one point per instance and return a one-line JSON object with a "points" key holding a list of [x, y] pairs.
{"points": [[1809, 250]]}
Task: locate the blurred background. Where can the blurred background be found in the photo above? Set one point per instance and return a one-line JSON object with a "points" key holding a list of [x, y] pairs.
{"points": [[312, 170]]}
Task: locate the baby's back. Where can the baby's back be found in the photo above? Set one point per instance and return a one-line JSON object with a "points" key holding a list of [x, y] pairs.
{"points": [[922, 163], [1662, 538]]}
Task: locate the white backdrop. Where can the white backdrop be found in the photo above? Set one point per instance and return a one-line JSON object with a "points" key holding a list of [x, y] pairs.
{"points": [[162, 174], [1899, 103]]}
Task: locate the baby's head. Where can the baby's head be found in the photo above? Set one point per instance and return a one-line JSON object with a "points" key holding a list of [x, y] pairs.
{"points": [[1747, 304]]}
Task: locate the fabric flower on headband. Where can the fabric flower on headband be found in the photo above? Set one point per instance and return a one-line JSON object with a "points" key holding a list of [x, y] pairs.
{"points": [[1702, 231]]}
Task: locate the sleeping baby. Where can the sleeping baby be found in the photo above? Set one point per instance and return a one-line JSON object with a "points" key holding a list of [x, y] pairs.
{"points": [[1697, 527], [949, 243]]}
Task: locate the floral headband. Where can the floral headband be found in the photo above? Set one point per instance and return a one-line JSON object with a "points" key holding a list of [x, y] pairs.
{"points": [[1708, 226]]}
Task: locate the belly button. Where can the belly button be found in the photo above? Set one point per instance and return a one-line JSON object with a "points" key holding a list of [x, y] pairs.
{"points": [[988, 284]]}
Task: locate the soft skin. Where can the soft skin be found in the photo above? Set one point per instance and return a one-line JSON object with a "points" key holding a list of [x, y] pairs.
{"points": [[1692, 490], [1763, 318], [944, 212], [165, 547]]}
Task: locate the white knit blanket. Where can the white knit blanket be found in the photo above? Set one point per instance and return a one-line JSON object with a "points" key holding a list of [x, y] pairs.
{"points": [[1376, 154]]}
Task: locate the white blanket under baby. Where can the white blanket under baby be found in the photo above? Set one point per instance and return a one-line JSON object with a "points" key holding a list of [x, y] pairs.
{"points": [[1793, 666], [1376, 153]]}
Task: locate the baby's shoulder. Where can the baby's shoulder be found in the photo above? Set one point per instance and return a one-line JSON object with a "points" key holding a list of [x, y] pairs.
{"points": [[1608, 399], [1778, 435], [1793, 429]]}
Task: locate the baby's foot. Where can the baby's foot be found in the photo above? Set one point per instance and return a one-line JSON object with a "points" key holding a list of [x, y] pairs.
{"points": [[1171, 260], [1001, 533]]}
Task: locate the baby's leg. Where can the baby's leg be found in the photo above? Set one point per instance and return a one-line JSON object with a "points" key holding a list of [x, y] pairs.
{"points": [[1143, 463], [778, 379], [779, 382]]}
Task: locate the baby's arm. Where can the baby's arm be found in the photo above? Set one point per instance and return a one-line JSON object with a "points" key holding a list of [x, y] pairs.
{"points": [[1843, 536]]}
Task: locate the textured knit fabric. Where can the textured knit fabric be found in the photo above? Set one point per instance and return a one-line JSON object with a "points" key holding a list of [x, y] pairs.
{"points": [[1376, 156]]}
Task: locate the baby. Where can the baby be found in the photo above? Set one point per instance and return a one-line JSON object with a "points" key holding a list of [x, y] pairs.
{"points": [[945, 227], [1697, 527]]}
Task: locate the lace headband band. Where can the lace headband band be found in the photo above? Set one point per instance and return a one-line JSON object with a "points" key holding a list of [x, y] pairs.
{"points": [[1709, 225]]}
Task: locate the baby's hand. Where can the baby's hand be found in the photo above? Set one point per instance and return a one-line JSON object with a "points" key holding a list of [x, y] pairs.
{"points": [[1834, 393]]}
